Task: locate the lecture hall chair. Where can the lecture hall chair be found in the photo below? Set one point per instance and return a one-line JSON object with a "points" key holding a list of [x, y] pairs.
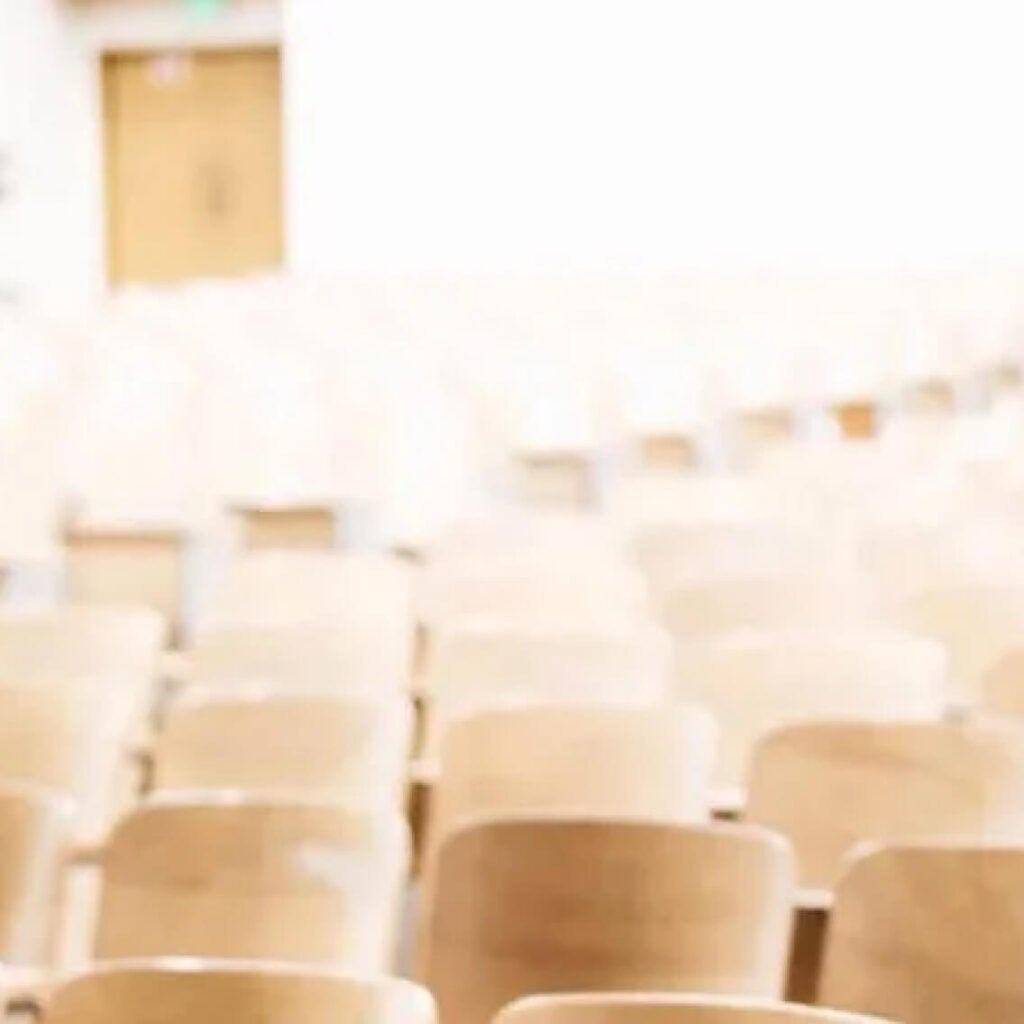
{"points": [[668, 1008], [929, 935], [36, 826], [829, 786], [204, 991], [531, 904], [352, 749], [229, 875], [756, 681]]}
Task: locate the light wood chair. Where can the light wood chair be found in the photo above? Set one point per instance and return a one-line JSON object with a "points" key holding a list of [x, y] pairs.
{"points": [[667, 1008], [977, 622], [478, 667], [73, 737], [929, 935], [300, 658], [674, 553], [695, 609], [364, 600], [649, 762], [828, 786], [246, 877], [214, 991], [546, 905], [35, 826], [754, 682], [287, 526], [355, 750], [127, 566]]}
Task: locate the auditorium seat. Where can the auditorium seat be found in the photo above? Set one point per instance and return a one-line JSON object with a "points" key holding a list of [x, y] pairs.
{"points": [[929, 935], [756, 681], [226, 875], [831, 786], [202, 991], [286, 525], [477, 666], [528, 904], [35, 835], [667, 1008], [352, 749]]}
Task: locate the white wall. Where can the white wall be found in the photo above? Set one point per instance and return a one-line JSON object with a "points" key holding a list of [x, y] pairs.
{"points": [[565, 134], [52, 240], [441, 134]]}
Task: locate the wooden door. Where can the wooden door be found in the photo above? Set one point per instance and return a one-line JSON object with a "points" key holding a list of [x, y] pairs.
{"points": [[193, 145]]}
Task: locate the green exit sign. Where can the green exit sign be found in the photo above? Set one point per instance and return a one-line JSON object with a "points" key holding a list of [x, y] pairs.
{"points": [[204, 8]]}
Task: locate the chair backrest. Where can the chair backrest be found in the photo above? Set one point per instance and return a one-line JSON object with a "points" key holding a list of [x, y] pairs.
{"points": [[651, 762], [667, 1008], [303, 658], [350, 749], [215, 991], [79, 640], [1002, 686], [672, 553], [696, 609], [127, 566], [476, 667], [366, 600], [755, 682], [830, 785], [929, 935], [35, 827], [222, 875], [526, 593], [557, 905], [71, 736], [977, 622]]}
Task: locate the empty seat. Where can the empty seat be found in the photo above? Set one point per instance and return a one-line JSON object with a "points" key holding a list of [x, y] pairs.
{"points": [[977, 622], [247, 877], [364, 600], [666, 1008], [480, 667], [300, 658], [626, 762], [351, 749], [755, 682], [555, 905], [929, 935], [695, 609], [828, 786], [35, 826], [212, 992]]}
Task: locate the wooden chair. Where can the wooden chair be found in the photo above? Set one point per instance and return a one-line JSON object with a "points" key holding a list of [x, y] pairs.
{"points": [[72, 737], [667, 1008], [547, 905], [127, 566], [696, 552], [287, 526], [300, 658], [215, 991], [478, 667], [365, 600], [35, 826], [695, 609], [929, 935], [977, 622], [644, 762], [353, 750], [828, 786], [244, 877], [758, 681]]}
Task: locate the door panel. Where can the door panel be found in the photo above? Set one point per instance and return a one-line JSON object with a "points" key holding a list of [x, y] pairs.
{"points": [[193, 164]]}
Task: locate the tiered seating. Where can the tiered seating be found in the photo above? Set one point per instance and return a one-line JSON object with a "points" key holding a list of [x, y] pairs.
{"points": [[647, 557]]}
